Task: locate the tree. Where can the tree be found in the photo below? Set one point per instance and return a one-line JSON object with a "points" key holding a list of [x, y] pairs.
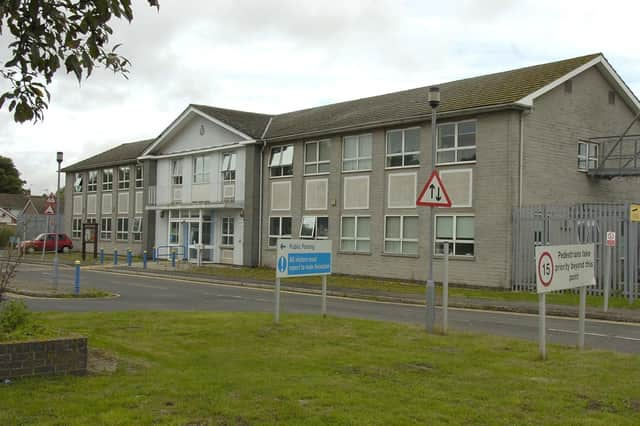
{"points": [[46, 34], [10, 182]]}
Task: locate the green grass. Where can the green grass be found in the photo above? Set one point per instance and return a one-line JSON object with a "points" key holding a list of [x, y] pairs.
{"points": [[211, 368]]}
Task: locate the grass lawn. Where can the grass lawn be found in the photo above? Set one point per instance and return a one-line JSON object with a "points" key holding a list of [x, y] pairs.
{"points": [[213, 368]]}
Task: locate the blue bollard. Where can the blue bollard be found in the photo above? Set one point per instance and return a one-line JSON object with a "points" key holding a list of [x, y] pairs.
{"points": [[129, 257], [77, 280], [115, 257], [155, 255], [102, 256], [144, 259], [173, 258]]}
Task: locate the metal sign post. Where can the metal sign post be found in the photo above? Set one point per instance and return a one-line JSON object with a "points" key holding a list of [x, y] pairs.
{"points": [[302, 258], [445, 290], [611, 243]]}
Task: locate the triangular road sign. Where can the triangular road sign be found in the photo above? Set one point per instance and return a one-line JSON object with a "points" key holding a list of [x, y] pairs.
{"points": [[434, 193], [49, 211]]}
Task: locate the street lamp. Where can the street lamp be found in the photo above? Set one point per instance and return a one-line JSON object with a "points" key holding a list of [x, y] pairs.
{"points": [[430, 305], [57, 228]]}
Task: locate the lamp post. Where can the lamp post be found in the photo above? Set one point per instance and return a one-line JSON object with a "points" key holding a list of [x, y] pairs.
{"points": [[430, 296], [57, 228]]}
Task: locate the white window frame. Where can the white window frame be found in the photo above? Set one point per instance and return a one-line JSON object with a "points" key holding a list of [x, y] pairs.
{"points": [[76, 228], [400, 238], [354, 238], [106, 228], [78, 182], [277, 166], [139, 176], [227, 238], [176, 171], [590, 157], [107, 184], [456, 149], [403, 154], [317, 162], [358, 158], [124, 177], [454, 240], [314, 228], [92, 181], [136, 229], [200, 169], [119, 232], [274, 237], [229, 167]]}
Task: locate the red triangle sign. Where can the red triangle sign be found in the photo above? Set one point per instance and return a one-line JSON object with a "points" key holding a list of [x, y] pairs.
{"points": [[434, 193], [49, 211]]}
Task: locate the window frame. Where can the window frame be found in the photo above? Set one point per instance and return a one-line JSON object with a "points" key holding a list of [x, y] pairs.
{"points": [[92, 181], [281, 167], [227, 238], [275, 237], [317, 162], [400, 238], [358, 158], [403, 154], [124, 177], [136, 235], [200, 177], [139, 178], [107, 184], [588, 158], [454, 239], [176, 172], [455, 149], [78, 183], [76, 228], [229, 171], [314, 229], [120, 232], [354, 238], [106, 231]]}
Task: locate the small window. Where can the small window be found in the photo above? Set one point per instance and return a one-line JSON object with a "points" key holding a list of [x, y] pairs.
{"points": [[355, 234], [201, 169], [124, 177], [314, 227], [77, 183], [176, 172], [105, 229], [136, 229], [587, 156], [316, 157], [281, 161], [122, 233], [456, 142], [76, 227], [612, 97], [458, 231], [279, 227], [356, 153], [139, 176], [229, 167], [227, 231], [401, 235], [92, 184], [403, 147], [107, 179], [174, 232]]}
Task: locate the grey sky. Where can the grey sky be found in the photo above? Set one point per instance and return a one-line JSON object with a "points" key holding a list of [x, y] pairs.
{"points": [[277, 56]]}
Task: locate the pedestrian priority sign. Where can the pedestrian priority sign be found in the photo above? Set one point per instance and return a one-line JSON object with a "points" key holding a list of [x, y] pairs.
{"points": [[434, 194]]}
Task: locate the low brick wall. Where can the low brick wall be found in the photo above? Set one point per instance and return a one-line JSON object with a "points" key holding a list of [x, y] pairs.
{"points": [[45, 357]]}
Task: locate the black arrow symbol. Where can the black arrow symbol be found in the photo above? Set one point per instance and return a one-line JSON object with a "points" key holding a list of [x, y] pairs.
{"points": [[438, 197], [432, 187], [282, 246]]}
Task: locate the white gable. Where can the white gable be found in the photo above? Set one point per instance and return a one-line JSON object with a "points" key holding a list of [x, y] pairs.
{"points": [[195, 133]]}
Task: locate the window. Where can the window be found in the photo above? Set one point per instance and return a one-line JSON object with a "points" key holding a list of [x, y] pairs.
{"points": [[400, 235], [356, 153], [136, 229], [92, 184], [105, 229], [77, 183], [76, 227], [587, 156], [122, 233], [201, 169], [124, 177], [227, 231], [229, 167], [403, 147], [139, 176], [176, 172], [174, 232], [316, 157], [456, 142], [281, 161], [314, 227], [458, 231], [355, 234], [107, 179], [279, 227]]}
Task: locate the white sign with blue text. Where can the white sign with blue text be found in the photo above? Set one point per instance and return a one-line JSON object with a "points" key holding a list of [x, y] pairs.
{"points": [[298, 258]]}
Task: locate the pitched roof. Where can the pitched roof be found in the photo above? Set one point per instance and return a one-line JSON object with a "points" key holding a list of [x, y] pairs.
{"points": [[13, 201], [249, 123], [121, 154], [488, 90], [39, 202]]}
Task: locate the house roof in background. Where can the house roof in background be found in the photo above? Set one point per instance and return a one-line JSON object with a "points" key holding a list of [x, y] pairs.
{"points": [[121, 154]]}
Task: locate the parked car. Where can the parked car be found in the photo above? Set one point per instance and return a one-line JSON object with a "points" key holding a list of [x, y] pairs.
{"points": [[49, 242]]}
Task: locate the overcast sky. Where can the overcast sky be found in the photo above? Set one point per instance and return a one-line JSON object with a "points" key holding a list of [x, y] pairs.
{"points": [[278, 56]]}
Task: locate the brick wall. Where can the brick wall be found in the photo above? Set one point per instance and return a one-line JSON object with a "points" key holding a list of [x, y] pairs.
{"points": [[60, 356]]}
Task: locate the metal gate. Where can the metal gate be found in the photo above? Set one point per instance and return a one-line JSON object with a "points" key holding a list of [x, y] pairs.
{"points": [[578, 224]]}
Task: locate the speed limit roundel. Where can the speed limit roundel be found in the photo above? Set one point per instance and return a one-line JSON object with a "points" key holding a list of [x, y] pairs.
{"points": [[545, 269]]}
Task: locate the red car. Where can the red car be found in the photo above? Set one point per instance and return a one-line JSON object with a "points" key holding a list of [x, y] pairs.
{"points": [[49, 242]]}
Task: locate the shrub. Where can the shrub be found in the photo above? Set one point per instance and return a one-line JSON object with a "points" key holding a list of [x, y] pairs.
{"points": [[5, 233], [14, 315]]}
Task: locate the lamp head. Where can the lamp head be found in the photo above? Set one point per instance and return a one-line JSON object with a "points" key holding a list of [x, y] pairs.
{"points": [[434, 96], [59, 157]]}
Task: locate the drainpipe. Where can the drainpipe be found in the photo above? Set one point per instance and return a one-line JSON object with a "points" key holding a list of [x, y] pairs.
{"points": [[521, 162], [264, 145]]}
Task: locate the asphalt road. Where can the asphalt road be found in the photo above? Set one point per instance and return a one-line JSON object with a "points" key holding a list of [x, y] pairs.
{"points": [[166, 293]]}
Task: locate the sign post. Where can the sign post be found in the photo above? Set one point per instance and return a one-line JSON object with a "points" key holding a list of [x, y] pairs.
{"points": [[560, 268], [301, 258], [611, 243]]}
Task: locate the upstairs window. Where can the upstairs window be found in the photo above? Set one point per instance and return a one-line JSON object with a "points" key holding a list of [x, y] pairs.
{"points": [[456, 142], [314, 227], [176, 172], [587, 156], [201, 169], [316, 157], [403, 147], [281, 161], [77, 183], [139, 179], [107, 179], [356, 153], [92, 184], [279, 227], [229, 167], [124, 177]]}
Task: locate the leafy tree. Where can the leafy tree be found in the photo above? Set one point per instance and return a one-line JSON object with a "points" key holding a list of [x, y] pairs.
{"points": [[10, 182], [46, 34]]}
